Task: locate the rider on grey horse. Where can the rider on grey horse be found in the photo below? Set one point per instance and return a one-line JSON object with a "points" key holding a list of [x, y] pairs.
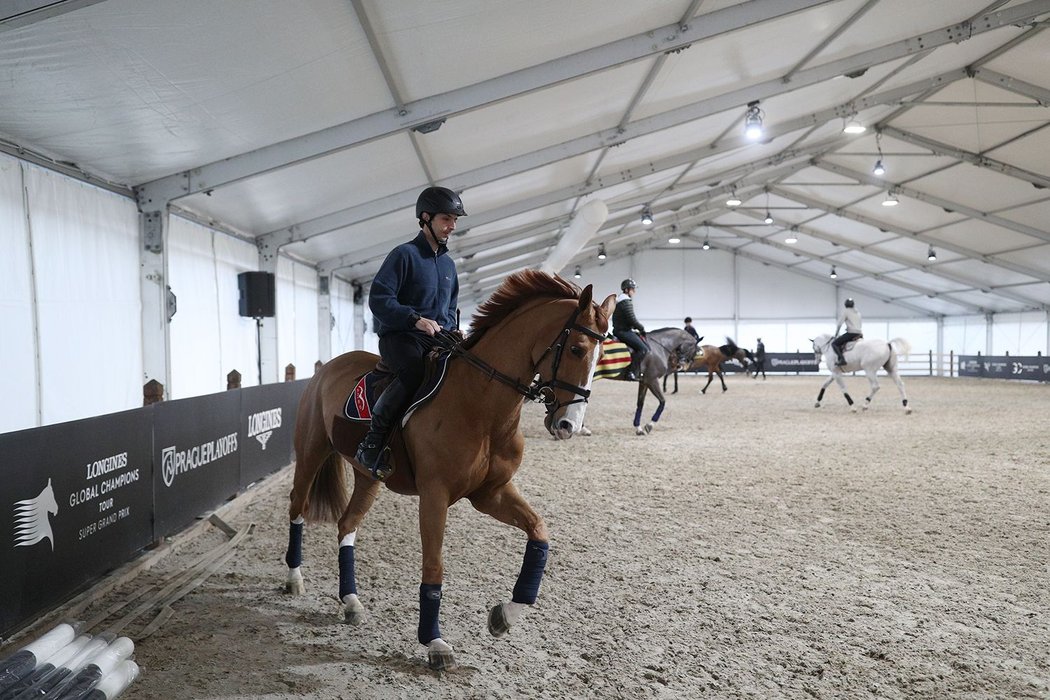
{"points": [[849, 317], [628, 329]]}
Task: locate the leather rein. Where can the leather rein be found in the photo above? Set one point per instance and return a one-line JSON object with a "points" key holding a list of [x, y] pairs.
{"points": [[538, 391]]}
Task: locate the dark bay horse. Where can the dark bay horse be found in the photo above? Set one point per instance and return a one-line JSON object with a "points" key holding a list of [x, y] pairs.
{"points": [[539, 337], [712, 357], [670, 350]]}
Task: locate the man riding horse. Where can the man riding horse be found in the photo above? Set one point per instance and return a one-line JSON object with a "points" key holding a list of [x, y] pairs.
{"points": [[849, 317], [413, 297], [628, 329]]}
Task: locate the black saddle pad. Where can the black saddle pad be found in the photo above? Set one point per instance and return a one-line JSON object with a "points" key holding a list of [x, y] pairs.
{"points": [[370, 386]]}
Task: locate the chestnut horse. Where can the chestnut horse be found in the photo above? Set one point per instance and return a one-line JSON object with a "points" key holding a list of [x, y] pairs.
{"points": [[539, 337]]}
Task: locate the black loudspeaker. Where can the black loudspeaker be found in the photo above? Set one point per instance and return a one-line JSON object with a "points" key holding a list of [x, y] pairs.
{"points": [[258, 294]]}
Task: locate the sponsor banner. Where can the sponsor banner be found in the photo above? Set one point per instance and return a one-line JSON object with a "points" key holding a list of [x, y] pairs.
{"points": [[777, 362], [77, 502], [196, 450], [792, 362], [1035, 368], [267, 425]]}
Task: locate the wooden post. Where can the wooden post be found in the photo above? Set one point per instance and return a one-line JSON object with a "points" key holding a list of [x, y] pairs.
{"points": [[289, 373], [233, 380], [152, 392]]}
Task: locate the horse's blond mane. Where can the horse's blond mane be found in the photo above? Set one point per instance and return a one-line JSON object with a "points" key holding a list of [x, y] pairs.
{"points": [[519, 288]]}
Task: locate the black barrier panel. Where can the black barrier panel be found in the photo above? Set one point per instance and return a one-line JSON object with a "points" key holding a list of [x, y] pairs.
{"points": [[196, 448], [267, 426], [1035, 368], [77, 503], [791, 362]]}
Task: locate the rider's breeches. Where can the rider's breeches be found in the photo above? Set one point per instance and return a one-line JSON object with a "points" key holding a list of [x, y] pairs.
{"points": [[638, 347]]}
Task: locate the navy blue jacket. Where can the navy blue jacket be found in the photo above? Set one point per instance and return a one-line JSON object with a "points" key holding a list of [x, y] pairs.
{"points": [[414, 280]]}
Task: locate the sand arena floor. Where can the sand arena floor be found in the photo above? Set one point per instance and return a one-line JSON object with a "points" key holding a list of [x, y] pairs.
{"points": [[751, 547]]}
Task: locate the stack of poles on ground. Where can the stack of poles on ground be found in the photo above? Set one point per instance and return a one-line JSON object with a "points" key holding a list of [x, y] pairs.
{"points": [[64, 664], [67, 663]]}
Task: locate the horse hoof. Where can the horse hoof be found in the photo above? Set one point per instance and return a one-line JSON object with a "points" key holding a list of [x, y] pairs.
{"points": [[440, 656], [353, 611], [907, 410], [498, 623], [703, 391], [294, 585], [639, 431], [816, 405], [648, 428], [584, 431], [852, 409]]}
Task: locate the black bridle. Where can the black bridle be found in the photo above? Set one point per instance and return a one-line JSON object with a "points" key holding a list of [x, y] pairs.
{"points": [[538, 391]]}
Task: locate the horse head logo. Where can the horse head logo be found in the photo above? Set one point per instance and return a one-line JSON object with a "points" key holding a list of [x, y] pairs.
{"points": [[32, 523]]}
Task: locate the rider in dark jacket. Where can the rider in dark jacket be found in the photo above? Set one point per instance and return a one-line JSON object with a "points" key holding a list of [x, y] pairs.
{"points": [[628, 329], [413, 297]]}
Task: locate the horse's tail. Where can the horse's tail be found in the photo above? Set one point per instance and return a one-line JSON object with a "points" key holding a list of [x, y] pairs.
{"points": [[327, 498], [900, 346]]}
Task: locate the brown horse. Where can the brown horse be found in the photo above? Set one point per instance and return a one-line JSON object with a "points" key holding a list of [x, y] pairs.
{"points": [[712, 357], [538, 336]]}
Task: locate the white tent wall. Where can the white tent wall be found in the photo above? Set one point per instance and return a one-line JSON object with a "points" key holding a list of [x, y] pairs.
{"points": [[342, 307], [86, 273], [297, 292], [18, 379], [208, 336]]}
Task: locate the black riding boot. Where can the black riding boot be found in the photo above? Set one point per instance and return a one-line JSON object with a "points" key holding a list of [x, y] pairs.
{"points": [[371, 452], [630, 375], [842, 360]]}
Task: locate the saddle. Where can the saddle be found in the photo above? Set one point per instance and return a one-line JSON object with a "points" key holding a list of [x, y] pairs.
{"points": [[350, 426], [370, 386]]}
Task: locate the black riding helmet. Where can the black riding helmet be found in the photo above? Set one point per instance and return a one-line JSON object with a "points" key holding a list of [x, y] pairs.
{"points": [[627, 284], [849, 303], [439, 200]]}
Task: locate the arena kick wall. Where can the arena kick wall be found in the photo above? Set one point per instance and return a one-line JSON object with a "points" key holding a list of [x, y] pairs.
{"points": [[81, 498]]}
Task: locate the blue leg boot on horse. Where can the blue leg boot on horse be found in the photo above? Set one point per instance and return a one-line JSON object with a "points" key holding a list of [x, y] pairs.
{"points": [[373, 453]]}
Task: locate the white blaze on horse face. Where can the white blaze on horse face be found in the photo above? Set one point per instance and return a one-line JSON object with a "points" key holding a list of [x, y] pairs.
{"points": [[574, 413]]}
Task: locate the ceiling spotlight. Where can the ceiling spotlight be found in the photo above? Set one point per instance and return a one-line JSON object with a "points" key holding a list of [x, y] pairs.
{"points": [[931, 254], [769, 218], [647, 216], [792, 239], [707, 245], [733, 200], [891, 199], [753, 121], [601, 251], [834, 275], [854, 127], [673, 239], [577, 274]]}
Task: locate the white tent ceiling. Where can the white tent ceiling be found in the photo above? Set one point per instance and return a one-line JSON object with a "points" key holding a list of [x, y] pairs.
{"points": [[310, 126]]}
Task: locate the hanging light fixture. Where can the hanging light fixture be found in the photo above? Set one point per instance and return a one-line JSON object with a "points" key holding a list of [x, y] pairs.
{"points": [[891, 199], [769, 217], [834, 275], [792, 239], [931, 254], [853, 126], [673, 239], [879, 168], [733, 200], [753, 121], [647, 216], [601, 251], [706, 245], [577, 274]]}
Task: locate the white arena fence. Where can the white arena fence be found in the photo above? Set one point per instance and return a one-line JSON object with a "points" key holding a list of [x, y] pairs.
{"points": [[919, 364]]}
